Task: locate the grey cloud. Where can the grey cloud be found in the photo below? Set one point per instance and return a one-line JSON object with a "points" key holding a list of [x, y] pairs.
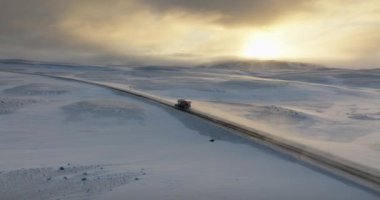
{"points": [[32, 24], [33, 29], [234, 12]]}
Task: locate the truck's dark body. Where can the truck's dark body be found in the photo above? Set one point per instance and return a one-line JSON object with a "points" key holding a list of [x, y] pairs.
{"points": [[183, 104]]}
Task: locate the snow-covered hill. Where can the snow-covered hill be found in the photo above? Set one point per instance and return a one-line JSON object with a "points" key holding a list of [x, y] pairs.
{"points": [[48, 123]]}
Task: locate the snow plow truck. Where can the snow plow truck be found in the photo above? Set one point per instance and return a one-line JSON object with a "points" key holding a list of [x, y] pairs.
{"points": [[183, 104]]}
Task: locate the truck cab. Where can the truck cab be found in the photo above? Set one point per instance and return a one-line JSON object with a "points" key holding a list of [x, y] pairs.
{"points": [[183, 104]]}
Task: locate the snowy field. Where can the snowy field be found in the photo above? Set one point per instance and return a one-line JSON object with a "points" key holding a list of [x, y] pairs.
{"points": [[67, 140]]}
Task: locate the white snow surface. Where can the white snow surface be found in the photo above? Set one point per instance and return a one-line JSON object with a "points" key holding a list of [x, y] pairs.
{"points": [[126, 147]]}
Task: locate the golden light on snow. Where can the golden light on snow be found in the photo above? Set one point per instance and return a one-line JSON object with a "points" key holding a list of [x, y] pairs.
{"points": [[262, 46]]}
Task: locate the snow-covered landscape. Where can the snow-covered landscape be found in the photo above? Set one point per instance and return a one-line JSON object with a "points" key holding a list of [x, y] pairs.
{"points": [[64, 139]]}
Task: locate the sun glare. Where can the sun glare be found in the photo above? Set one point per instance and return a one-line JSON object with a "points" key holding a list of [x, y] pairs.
{"points": [[262, 46]]}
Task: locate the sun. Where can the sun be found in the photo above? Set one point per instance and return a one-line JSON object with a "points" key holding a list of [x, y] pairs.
{"points": [[262, 46]]}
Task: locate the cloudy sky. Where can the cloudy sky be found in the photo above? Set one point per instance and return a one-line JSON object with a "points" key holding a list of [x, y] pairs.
{"points": [[333, 32]]}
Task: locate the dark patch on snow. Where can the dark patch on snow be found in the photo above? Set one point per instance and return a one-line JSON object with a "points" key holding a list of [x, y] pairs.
{"points": [[260, 65], [157, 68], [104, 109], [113, 76], [249, 84], [37, 89], [48, 183], [364, 116], [277, 114], [8, 81], [9, 105]]}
